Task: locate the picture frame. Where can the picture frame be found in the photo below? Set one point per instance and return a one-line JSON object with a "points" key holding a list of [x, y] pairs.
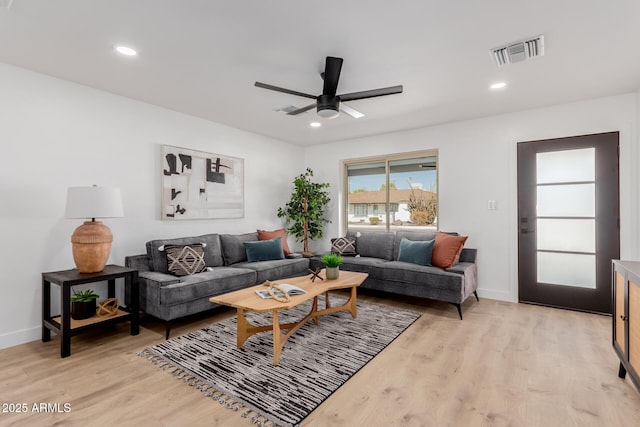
{"points": [[201, 185]]}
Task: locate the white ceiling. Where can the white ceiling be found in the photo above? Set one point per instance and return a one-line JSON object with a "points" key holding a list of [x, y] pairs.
{"points": [[202, 57]]}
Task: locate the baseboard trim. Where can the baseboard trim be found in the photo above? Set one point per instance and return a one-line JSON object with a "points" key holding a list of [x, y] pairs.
{"points": [[496, 295], [20, 337]]}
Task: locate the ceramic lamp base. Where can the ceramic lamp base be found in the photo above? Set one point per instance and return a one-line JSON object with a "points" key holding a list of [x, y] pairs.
{"points": [[91, 246]]}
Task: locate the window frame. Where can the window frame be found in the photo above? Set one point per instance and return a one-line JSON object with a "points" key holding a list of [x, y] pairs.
{"points": [[386, 159]]}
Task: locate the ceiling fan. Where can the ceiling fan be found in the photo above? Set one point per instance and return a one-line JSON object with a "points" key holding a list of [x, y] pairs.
{"points": [[328, 104]]}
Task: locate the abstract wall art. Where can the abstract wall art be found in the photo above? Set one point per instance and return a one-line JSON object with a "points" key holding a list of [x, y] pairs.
{"points": [[199, 185]]}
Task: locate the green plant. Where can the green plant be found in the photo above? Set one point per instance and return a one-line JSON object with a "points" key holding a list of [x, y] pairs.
{"points": [[305, 210], [84, 296], [331, 260], [423, 212]]}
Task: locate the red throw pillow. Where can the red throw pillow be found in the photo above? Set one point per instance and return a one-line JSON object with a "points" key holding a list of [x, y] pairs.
{"points": [[447, 249], [268, 235]]}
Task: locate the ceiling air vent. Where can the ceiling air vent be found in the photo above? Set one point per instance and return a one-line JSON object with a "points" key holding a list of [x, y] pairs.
{"points": [[518, 51]]}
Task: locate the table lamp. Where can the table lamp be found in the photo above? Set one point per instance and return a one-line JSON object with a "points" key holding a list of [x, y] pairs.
{"points": [[91, 242]]}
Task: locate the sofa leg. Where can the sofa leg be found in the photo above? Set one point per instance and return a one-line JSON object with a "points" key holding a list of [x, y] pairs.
{"points": [[459, 307], [167, 329], [476, 294]]}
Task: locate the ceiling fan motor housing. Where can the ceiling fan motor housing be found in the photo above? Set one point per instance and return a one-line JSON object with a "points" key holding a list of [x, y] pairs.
{"points": [[328, 106]]}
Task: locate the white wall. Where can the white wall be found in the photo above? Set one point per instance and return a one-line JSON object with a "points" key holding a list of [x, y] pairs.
{"points": [[477, 163], [55, 134]]}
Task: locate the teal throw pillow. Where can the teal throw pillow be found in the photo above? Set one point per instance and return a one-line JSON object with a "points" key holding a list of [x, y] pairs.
{"points": [[264, 250], [415, 252]]}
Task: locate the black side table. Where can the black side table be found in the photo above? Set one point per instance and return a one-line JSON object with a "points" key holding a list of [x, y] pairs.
{"points": [[63, 325]]}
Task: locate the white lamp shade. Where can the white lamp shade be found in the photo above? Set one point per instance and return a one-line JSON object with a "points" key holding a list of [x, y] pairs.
{"points": [[93, 202]]}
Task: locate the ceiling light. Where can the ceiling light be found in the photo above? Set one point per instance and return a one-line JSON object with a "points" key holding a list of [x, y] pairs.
{"points": [[315, 124], [126, 51], [498, 85]]}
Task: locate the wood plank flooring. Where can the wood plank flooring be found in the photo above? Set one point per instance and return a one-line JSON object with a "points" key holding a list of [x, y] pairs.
{"points": [[505, 364]]}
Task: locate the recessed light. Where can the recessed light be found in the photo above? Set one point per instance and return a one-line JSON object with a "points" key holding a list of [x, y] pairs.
{"points": [[126, 50], [315, 124], [498, 85]]}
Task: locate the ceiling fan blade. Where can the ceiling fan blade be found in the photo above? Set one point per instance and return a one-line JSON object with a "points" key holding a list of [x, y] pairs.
{"points": [[350, 111], [301, 110], [331, 76], [371, 93], [283, 90]]}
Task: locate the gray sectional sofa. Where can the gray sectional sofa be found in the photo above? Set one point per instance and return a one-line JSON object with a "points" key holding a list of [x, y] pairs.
{"points": [[378, 256], [169, 297]]}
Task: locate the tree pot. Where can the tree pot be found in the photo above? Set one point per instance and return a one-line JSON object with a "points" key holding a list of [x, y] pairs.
{"points": [[332, 273], [83, 310]]}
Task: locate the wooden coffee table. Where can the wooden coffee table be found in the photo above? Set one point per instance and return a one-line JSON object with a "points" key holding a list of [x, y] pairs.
{"points": [[247, 300]]}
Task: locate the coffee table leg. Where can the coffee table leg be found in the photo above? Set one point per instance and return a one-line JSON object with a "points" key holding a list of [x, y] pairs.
{"points": [[243, 328], [277, 338], [352, 303], [314, 308]]}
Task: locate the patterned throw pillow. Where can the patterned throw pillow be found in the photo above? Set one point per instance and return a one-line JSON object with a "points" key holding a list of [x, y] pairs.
{"points": [[184, 260], [344, 246]]}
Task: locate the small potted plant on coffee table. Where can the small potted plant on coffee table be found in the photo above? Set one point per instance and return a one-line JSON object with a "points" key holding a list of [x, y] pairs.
{"points": [[332, 262], [83, 304]]}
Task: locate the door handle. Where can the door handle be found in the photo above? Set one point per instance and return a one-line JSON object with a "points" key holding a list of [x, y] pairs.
{"points": [[524, 225], [623, 317]]}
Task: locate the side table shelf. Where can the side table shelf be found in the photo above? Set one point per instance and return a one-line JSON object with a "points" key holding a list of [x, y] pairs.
{"points": [[64, 325]]}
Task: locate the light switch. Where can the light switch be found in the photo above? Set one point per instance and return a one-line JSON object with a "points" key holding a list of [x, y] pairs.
{"points": [[492, 205]]}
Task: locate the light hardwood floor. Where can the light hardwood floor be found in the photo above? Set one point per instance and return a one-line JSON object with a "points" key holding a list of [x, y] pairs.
{"points": [[505, 364]]}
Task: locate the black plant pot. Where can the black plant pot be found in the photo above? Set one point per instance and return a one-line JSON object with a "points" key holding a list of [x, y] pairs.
{"points": [[83, 310]]}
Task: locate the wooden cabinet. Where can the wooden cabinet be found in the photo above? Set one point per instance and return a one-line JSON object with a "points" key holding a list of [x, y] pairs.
{"points": [[626, 317]]}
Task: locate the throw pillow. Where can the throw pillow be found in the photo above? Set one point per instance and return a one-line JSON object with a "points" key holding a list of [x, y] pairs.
{"points": [[268, 235], [415, 252], [264, 250], [344, 246], [447, 249], [185, 260]]}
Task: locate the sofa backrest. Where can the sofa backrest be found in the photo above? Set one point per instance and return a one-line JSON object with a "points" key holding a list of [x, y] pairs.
{"points": [[376, 244], [413, 236], [212, 252], [233, 249]]}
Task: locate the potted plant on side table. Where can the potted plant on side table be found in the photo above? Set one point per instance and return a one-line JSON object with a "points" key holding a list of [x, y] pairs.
{"points": [[332, 263], [83, 304]]}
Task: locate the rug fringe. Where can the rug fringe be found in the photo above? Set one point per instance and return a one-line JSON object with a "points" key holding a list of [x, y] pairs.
{"points": [[210, 391]]}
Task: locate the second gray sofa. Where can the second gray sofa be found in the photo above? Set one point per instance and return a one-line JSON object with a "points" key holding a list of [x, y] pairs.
{"points": [[377, 255]]}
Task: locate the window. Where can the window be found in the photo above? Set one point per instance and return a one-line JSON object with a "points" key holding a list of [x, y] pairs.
{"points": [[393, 192]]}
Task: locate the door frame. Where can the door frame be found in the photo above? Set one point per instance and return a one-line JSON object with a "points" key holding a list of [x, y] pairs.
{"points": [[607, 204]]}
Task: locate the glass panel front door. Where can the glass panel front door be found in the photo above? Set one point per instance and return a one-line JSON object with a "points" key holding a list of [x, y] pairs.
{"points": [[566, 190]]}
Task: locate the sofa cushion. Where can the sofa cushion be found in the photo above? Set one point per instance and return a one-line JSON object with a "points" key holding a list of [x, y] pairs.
{"points": [[184, 260], [376, 245], [447, 249], [268, 235], [415, 252], [264, 250], [344, 246], [212, 252], [206, 284], [362, 265], [233, 248], [414, 236], [277, 269], [403, 272]]}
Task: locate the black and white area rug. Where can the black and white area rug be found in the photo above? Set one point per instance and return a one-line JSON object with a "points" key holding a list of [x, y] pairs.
{"points": [[314, 362]]}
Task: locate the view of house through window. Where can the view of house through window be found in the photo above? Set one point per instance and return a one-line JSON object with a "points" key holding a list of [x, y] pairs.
{"points": [[392, 193]]}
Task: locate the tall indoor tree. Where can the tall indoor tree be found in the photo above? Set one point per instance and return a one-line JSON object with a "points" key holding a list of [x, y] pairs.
{"points": [[304, 213]]}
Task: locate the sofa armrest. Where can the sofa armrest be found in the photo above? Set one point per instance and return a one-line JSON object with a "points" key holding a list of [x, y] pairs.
{"points": [[468, 255], [139, 262], [154, 278], [470, 272]]}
